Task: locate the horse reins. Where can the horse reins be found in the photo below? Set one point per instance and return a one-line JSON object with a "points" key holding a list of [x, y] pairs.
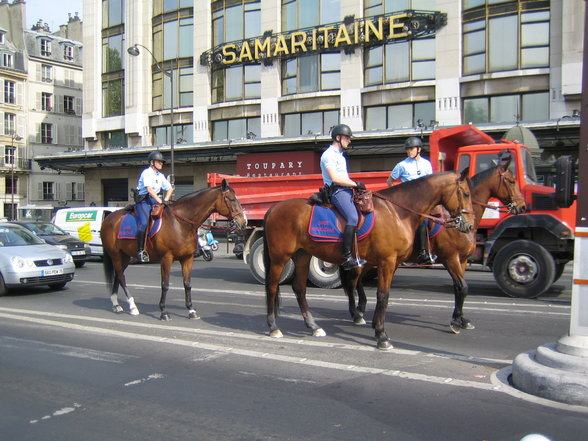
{"points": [[500, 208]]}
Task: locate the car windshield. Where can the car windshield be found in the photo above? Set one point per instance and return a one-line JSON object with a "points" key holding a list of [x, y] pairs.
{"points": [[13, 236], [46, 229]]}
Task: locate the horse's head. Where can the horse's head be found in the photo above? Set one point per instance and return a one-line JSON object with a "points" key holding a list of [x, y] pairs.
{"points": [[507, 190], [459, 203], [230, 207]]}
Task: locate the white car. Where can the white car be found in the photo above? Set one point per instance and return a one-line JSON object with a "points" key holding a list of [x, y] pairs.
{"points": [[26, 260]]}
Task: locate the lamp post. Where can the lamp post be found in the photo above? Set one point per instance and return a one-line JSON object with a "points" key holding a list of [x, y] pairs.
{"points": [[134, 51], [13, 138]]}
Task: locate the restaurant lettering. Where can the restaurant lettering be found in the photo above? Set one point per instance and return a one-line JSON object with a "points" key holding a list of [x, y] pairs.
{"points": [[347, 34]]}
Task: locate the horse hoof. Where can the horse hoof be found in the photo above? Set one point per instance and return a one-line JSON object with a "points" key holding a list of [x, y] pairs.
{"points": [[165, 317], [319, 333], [384, 345], [468, 325], [456, 329], [117, 309], [193, 315], [276, 334], [134, 311], [359, 321]]}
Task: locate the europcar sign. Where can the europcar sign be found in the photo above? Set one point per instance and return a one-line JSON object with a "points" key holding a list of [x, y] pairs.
{"points": [[80, 216], [347, 34]]}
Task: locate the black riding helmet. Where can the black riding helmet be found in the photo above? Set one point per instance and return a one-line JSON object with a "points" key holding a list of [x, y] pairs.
{"points": [[155, 156], [413, 141], [341, 129]]}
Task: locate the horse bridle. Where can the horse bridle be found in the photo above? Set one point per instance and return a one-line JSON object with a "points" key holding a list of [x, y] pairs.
{"points": [[511, 206]]}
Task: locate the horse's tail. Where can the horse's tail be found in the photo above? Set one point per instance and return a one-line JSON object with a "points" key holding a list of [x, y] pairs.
{"points": [[266, 265], [108, 271]]}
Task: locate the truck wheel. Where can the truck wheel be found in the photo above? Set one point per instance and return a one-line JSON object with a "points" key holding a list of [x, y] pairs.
{"points": [[524, 269], [559, 269], [258, 269], [324, 274]]}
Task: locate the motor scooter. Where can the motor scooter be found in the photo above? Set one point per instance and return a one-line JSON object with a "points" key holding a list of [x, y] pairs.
{"points": [[211, 241], [202, 247]]}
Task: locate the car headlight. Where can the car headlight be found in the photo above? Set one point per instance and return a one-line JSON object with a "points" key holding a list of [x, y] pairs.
{"points": [[62, 247], [19, 262], [68, 258]]}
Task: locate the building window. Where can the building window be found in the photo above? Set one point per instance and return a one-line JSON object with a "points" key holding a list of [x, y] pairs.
{"points": [[183, 134], [112, 50], [240, 21], [2, 37], [310, 123], [9, 123], [113, 13], [112, 97], [68, 105], [160, 6], [48, 191], [9, 92], [46, 73], [68, 53], [505, 37], [74, 191], [46, 133], [241, 128], [379, 7], [236, 83], [310, 73], [398, 62], [183, 89], [9, 155], [300, 14], [116, 138], [45, 47], [399, 116], [507, 108], [7, 60], [46, 101], [11, 185]]}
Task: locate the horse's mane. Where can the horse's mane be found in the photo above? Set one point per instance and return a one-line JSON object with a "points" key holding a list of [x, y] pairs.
{"points": [[193, 194], [415, 183], [482, 176]]}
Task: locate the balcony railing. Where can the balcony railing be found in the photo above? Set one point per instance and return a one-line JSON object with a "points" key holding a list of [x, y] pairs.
{"points": [[19, 164]]}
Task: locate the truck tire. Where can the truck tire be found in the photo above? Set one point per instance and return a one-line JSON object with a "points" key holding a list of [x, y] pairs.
{"points": [[559, 269], [524, 269], [258, 269], [324, 274]]}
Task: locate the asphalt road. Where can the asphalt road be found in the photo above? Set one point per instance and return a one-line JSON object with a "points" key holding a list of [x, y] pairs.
{"points": [[70, 369]]}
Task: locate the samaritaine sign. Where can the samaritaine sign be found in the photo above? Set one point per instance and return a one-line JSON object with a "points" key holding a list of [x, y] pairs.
{"points": [[344, 35]]}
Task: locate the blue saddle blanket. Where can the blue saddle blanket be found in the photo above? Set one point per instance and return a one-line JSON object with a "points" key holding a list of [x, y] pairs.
{"points": [[128, 227], [326, 225], [433, 227]]}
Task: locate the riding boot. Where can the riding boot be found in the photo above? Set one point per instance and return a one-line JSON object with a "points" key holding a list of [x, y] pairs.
{"points": [[142, 255], [349, 261], [424, 257]]}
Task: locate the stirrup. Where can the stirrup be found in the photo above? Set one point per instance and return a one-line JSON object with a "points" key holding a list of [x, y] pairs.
{"points": [[142, 256], [353, 262], [426, 258]]}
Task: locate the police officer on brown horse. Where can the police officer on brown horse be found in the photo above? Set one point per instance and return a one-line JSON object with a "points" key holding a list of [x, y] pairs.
{"points": [[335, 176], [151, 183]]}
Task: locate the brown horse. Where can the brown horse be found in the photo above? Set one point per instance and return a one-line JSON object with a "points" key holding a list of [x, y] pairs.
{"points": [[454, 248], [176, 240], [389, 244]]}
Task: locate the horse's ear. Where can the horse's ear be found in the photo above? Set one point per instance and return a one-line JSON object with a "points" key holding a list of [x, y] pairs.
{"points": [[464, 174], [505, 159], [224, 185]]}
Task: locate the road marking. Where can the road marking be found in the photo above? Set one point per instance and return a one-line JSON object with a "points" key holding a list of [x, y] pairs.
{"points": [[144, 380], [263, 355], [59, 412]]}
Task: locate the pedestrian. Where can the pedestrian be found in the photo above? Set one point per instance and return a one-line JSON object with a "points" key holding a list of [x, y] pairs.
{"points": [[414, 166], [151, 183], [336, 178]]}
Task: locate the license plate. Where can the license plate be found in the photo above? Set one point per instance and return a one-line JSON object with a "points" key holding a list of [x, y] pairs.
{"points": [[53, 272], [78, 253]]}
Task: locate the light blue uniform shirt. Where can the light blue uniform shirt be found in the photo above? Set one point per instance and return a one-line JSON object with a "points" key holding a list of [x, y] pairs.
{"points": [[333, 158], [409, 169], [154, 179]]}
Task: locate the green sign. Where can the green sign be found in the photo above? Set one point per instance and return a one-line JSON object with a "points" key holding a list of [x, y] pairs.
{"points": [[81, 216]]}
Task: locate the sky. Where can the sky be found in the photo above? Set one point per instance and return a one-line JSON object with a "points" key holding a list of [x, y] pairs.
{"points": [[52, 12]]}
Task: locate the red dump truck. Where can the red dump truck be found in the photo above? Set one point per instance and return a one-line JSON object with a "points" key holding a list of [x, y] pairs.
{"points": [[548, 227]]}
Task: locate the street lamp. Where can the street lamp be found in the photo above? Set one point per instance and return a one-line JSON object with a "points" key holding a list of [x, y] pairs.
{"points": [[134, 51], [14, 137]]}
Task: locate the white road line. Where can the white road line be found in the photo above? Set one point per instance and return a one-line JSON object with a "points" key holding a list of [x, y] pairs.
{"points": [[144, 380], [59, 412]]}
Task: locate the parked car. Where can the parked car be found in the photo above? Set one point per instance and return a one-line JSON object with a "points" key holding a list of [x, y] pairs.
{"points": [[54, 235], [26, 260]]}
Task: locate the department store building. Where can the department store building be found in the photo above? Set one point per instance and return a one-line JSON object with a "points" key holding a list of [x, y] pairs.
{"points": [[234, 85]]}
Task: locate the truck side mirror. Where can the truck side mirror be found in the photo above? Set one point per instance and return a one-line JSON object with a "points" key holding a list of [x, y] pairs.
{"points": [[564, 181]]}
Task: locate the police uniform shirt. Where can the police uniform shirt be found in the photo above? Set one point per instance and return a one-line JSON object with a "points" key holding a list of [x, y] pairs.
{"points": [[333, 158], [409, 169], [154, 179]]}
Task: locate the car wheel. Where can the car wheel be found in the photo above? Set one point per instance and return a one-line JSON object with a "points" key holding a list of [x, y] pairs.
{"points": [[258, 269], [3, 289], [59, 285], [524, 269], [79, 264], [324, 274]]}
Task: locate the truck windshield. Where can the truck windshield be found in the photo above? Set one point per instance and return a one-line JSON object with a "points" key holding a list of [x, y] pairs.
{"points": [[529, 167]]}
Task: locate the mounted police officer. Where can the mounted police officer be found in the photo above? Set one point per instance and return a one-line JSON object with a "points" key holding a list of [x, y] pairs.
{"points": [[414, 166], [151, 183], [335, 176]]}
